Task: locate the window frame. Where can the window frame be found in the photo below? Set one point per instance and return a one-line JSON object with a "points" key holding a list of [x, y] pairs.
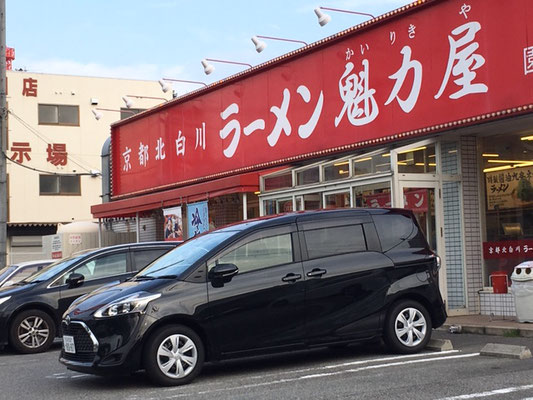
{"points": [[60, 192], [257, 235], [59, 123]]}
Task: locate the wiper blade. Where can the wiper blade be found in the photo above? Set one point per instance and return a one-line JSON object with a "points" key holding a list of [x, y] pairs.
{"points": [[151, 277]]}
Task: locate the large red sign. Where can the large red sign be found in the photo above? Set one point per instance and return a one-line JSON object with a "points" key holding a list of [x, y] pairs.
{"points": [[448, 60]]}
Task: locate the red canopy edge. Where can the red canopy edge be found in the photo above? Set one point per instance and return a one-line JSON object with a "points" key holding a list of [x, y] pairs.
{"points": [[202, 191]]}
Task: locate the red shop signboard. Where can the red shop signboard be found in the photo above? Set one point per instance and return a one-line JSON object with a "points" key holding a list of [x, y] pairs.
{"points": [[445, 61], [415, 200]]}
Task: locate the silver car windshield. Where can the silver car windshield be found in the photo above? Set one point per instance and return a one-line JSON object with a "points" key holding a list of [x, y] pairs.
{"points": [[6, 272], [53, 269], [174, 263]]}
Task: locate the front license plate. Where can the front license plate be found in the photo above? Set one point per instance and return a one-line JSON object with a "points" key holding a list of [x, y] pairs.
{"points": [[68, 344]]}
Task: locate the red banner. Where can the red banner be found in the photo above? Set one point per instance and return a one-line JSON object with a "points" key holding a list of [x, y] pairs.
{"points": [[445, 61], [415, 200], [508, 249]]}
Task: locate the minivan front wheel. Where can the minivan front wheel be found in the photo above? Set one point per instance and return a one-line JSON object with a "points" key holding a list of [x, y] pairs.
{"points": [[32, 331], [174, 355], [408, 327]]}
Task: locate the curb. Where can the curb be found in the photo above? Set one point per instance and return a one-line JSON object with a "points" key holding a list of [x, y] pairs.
{"points": [[439, 345], [505, 351], [492, 330]]}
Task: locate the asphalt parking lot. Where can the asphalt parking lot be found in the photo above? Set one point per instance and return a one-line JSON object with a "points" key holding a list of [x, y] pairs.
{"points": [[359, 372]]}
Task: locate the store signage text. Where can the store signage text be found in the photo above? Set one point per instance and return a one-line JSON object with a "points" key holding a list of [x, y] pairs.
{"points": [[407, 73]]}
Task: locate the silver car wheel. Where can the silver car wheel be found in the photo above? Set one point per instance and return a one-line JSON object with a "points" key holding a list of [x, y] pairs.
{"points": [[177, 356], [33, 332], [410, 327]]}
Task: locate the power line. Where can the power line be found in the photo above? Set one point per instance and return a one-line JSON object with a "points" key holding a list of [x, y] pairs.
{"points": [[6, 157], [47, 141]]}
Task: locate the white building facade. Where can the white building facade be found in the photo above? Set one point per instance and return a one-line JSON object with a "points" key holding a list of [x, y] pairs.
{"points": [[54, 146]]}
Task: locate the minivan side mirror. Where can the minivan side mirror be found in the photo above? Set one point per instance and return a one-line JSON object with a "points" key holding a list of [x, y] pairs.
{"points": [[75, 280], [222, 273]]}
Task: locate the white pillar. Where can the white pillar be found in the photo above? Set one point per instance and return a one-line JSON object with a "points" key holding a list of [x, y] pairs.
{"points": [[244, 206], [138, 227]]}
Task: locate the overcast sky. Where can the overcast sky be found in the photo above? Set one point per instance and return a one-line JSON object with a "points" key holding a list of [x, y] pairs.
{"points": [[152, 39]]}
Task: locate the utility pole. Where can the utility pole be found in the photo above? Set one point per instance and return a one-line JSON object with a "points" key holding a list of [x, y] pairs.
{"points": [[3, 136]]}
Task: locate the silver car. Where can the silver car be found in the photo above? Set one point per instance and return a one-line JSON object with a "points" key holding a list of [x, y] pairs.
{"points": [[17, 272]]}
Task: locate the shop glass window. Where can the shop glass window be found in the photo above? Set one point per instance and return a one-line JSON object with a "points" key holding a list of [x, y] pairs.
{"points": [[335, 240], [507, 162], [269, 207], [338, 200], [275, 182], [418, 160], [377, 195], [371, 164], [312, 201], [338, 170], [308, 176], [55, 114], [59, 185], [261, 253]]}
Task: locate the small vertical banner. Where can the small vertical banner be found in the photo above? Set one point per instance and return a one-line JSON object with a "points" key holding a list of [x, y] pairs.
{"points": [[197, 218], [173, 224]]}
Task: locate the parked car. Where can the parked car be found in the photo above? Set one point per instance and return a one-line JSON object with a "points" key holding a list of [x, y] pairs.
{"points": [[31, 310], [288, 282], [16, 272]]}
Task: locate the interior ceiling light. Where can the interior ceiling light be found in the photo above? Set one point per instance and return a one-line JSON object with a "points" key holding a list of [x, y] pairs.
{"points": [[490, 155], [413, 150], [527, 138]]}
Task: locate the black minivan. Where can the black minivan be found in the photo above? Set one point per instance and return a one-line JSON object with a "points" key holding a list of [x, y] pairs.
{"points": [[273, 284], [31, 310]]}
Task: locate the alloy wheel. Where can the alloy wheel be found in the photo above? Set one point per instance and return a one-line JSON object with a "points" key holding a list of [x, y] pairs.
{"points": [[33, 332], [410, 327]]}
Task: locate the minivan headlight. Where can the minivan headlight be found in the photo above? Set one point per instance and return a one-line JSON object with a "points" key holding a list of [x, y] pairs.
{"points": [[4, 299], [134, 303]]}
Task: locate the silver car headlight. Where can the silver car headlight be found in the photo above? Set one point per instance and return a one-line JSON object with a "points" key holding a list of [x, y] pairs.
{"points": [[133, 303], [4, 299]]}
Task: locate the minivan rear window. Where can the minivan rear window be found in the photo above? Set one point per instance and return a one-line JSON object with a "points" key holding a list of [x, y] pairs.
{"points": [[334, 240], [393, 229]]}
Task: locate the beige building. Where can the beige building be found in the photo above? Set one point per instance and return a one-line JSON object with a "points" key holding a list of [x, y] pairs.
{"points": [[54, 146]]}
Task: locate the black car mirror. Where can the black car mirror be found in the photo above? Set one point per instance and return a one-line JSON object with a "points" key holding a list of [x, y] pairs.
{"points": [[75, 280], [222, 273]]}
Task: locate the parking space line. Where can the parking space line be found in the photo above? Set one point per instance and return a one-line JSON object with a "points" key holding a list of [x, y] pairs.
{"points": [[488, 393], [322, 375], [352, 363]]}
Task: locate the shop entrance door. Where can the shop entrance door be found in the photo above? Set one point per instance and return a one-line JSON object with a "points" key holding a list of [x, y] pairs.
{"points": [[423, 199], [421, 193]]}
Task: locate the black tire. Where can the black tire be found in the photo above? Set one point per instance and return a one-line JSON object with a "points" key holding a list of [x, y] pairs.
{"points": [[32, 331], [165, 339], [407, 327]]}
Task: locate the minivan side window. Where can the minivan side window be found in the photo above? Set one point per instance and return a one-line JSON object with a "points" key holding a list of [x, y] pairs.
{"points": [[334, 240], [260, 253], [102, 267]]}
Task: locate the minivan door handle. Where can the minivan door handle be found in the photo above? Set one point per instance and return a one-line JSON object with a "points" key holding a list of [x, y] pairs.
{"points": [[316, 272], [291, 277]]}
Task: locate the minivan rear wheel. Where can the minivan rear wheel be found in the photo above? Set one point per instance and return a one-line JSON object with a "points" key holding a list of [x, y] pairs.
{"points": [[408, 327], [173, 355], [32, 331]]}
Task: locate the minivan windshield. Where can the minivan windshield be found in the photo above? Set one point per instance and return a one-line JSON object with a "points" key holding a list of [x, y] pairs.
{"points": [[174, 263]]}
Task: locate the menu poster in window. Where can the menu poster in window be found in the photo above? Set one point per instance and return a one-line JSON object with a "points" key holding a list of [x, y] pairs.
{"points": [[173, 224], [197, 218], [509, 188]]}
